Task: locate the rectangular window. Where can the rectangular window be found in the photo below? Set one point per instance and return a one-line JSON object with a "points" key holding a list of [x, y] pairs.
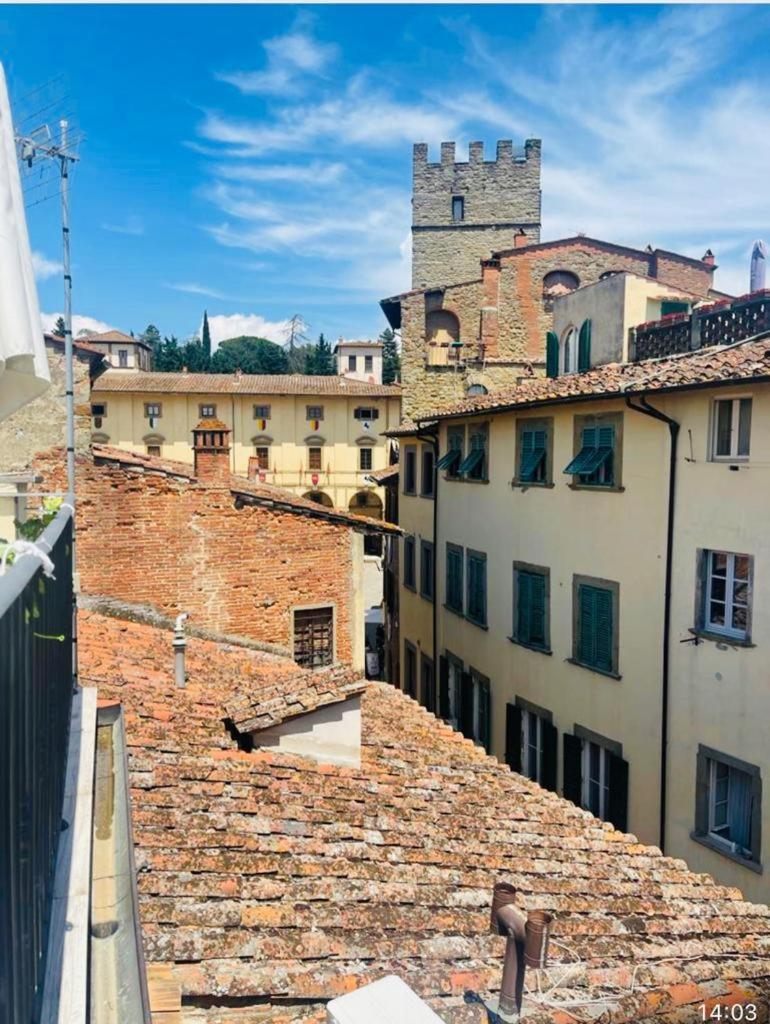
{"points": [[596, 776], [366, 412], [351, 364], [427, 684], [595, 624], [530, 742], [451, 459], [365, 458], [410, 669], [154, 449], [454, 578], [410, 470], [426, 488], [727, 593], [454, 686], [476, 606], [314, 458], [98, 409], [481, 709], [533, 464], [263, 457], [728, 805], [531, 745], [261, 412], [458, 208], [409, 579], [426, 569], [593, 464], [314, 637], [474, 465], [368, 364], [732, 429], [207, 412], [315, 412], [669, 306], [530, 606], [122, 357], [153, 410]]}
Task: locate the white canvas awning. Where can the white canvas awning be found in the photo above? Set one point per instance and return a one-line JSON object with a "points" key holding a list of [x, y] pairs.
{"points": [[23, 363]]}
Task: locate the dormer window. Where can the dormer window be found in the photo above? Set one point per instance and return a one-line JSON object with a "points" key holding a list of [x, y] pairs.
{"points": [[458, 208]]}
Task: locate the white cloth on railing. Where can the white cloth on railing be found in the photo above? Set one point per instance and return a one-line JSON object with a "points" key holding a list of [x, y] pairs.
{"points": [[27, 547]]}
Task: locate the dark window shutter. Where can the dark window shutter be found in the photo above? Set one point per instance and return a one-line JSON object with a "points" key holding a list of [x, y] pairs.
{"points": [[550, 736], [551, 355], [584, 347], [485, 713], [537, 609], [617, 810], [466, 705], [524, 609], [603, 626], [573, 772], [443, 687], [585, 625], [513, 737]]}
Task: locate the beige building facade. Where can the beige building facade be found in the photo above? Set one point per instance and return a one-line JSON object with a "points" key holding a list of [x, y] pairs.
{"points": [[316, 436], [121, 351], [359, 360], [554, 643]]}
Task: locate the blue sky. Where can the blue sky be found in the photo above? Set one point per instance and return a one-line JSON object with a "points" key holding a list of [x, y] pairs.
{"points": [[255, 160]]}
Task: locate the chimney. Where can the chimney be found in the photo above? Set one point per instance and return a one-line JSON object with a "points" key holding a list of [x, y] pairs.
{"points": [[211, 450], [520, 239], [490, 328], [709, 258]]}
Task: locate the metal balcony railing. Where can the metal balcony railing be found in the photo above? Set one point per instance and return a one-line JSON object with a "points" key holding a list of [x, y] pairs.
{"points": [[35, 702]]}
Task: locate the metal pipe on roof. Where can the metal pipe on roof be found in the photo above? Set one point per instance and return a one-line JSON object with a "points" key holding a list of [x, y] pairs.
{"points": [[179, 644]]}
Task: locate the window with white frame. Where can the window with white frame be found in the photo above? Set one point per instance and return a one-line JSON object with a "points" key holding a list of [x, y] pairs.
{"points": [[531, 745], [596, 778], [731, 432], [727, 594], [570, 351], [481, 709], [455, 684], [728, 805]]}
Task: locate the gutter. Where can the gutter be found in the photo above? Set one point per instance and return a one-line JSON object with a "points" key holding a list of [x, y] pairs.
{"points": [[673, 426], [432, 440]]}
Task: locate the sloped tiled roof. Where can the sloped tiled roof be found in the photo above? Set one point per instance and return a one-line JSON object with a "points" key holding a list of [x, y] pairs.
{"points": [[242, 384], [260, 493], [115, 337], [275, 883], [708, 367], [383, 476]]}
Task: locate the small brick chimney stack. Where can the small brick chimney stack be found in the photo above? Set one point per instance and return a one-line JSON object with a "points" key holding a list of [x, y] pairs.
{"points": [[211, 450], [709, 258], [520, 239]]}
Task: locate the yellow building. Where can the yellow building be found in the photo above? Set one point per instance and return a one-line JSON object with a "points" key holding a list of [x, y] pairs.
{"points": [[598, 607], [316, 436]]}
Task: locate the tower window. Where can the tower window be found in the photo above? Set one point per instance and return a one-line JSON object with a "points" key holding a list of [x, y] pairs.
{"points": [[458, 208]]}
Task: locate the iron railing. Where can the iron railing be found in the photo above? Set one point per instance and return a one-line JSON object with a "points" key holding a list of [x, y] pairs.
{"points": [[35, 703]]}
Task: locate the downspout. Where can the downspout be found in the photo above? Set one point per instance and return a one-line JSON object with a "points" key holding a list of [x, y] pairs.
{"points": [[432, 439], [673, 427]]}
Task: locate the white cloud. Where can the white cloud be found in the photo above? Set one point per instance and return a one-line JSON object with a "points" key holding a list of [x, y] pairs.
{"points": [[191, 288], [132, 225], [235, 324], [43, 267], [314, 173], [291, 59], [79, 323]]}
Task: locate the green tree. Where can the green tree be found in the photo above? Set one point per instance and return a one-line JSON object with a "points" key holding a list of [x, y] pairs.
{"points": [[206, 339], [151, 335], [251, 355], [319, 359], [60, 327], [391, 357], [167, 356]]}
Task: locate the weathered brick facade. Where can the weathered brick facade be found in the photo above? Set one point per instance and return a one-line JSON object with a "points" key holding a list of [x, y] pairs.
{"points": [[500, 197], [181, 543], [503, 316]]}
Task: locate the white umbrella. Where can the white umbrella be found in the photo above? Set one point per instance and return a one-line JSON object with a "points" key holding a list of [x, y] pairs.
{"points": [[23, 363]]}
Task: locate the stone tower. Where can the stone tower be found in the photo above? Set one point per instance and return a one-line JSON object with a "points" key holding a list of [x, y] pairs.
{"points": [[462, 212]]}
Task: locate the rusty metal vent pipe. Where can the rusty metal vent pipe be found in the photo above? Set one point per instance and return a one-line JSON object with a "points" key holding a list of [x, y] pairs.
{"points": [[526, 946]]}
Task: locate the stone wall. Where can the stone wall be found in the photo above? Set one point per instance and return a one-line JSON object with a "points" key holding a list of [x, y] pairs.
{"points": [[41, 424], [501, 198], [180, 544]]}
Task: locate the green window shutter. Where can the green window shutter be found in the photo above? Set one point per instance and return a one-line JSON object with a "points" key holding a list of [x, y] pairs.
{"points": [[485, 716], [548, 764], [584, 347], [443, 687], [524, 607], [532, 453], [603, 627], [454, 579], [466, 705], [595, 628], [674, 307], [586, 627], [537, 610], [477, 590], [551, 355]]}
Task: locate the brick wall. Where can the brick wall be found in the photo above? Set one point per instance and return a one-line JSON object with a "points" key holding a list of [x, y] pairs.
{"points": [[181, 545]]}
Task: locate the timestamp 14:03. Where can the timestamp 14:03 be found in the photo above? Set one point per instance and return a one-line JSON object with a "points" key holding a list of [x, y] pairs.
{"points": [[728, 1013]]}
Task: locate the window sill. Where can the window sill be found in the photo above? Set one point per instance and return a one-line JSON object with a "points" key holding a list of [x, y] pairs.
{"points": [[455, 611], [739, 461], [597, 487], [479, 625], [591, 668], [723, 639], [524, 485], [406, 586], [430, 497], [407, 494], [717, 847], [531, 647], [427, 597]]}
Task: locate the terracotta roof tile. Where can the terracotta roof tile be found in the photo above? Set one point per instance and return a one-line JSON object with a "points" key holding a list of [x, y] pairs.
{"points": [[242, 384], [275, 883], [745, 361], [383, 476]]}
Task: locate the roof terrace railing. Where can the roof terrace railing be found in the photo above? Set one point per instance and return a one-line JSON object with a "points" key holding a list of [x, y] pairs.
{"points": [[721, 323], [36, 684]]}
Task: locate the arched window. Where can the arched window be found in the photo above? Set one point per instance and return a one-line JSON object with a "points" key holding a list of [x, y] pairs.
{"points": [[558, 282], [476, 389], [442, 327], [569, 350]]}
